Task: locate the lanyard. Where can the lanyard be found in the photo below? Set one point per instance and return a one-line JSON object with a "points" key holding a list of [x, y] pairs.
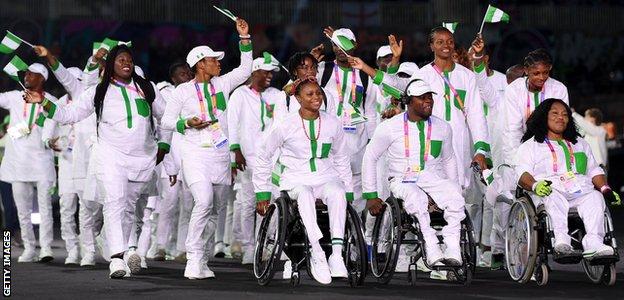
{"points": [[213, 101], [424, 151], [313, 140], [264, 106], [31, 117], [528, 101], [344, 87], [554, 154], [448, 83], [129, 87]]}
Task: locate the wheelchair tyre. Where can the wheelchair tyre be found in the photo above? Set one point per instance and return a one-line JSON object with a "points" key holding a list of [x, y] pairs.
{"points": [[609, 275], [270, 242], [386, 241], [354, 252], [521, 241], [295, 279], [541, 275]]}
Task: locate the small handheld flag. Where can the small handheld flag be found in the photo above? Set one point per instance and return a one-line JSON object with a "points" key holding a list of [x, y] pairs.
{"points": [[339, 46], [15, 65], [494, 15], [226, 12], [450, 26], [9, 43]]}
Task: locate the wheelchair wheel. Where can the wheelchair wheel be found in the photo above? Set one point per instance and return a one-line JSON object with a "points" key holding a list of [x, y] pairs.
{"points": [[386, 241], [354, 252], [541, 275], [521, 241], [270, 242], [469, 252]]}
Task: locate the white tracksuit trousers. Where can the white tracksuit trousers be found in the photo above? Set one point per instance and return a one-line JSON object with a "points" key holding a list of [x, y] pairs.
{"points": [[68, 204], [23, 194], [203, 217]]}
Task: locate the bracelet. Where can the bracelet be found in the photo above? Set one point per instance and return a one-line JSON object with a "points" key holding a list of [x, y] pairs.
{"points": [[604, 188], [477, 57], [245, 37], [186, 124], [533, 186]]}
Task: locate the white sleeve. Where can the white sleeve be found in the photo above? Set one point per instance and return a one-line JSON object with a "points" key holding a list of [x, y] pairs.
{"points": [[261, 177], [370, 108], [378, 145], [588, 127], [513, 129], [593, 169], [341, 159], [171, 118], [476, 118], [70, 83], [76, 112], [488, 92], [238, 76], [448, 156], [234, 119], [524, 159], [5, 100], [158, 107], [565, 96]]}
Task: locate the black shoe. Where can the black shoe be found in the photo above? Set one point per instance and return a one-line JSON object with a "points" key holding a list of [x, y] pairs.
{"points": [[498, 261]]}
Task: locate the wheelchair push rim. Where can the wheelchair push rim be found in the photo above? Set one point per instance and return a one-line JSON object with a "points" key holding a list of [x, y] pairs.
{"points": [[521, 241], [385, 249], [354, 252], [269, 242]]}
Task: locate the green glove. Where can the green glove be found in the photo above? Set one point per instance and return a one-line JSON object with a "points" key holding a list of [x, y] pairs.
{"points": [[617, 201], [612, 197], [542, 188]]}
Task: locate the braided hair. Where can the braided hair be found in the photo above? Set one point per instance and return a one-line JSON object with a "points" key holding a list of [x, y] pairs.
{"points": [[537, 56]]}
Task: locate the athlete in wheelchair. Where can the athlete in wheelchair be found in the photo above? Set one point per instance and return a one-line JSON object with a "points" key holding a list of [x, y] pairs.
{"points": [[313, 151], [561, 210], [422, 171]]}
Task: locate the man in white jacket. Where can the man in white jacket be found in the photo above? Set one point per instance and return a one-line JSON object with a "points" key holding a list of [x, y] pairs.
{"points": [[28, 162]]}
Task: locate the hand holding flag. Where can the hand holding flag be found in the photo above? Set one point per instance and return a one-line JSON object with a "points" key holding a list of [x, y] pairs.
{"points": [[494, 15]]}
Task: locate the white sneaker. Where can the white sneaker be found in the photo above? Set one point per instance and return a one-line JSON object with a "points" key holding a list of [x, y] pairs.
{"points": [[29, 255], [46, 255], [248, 256], [287, 273], [73, 257], [403, 262], [133, 260], [438, 275], [219, 250], [117, 268], [434, 254], [420, 266], [143, 262], [603, 250], [485, 259], [452, 255], [206, 272], [197, 270], [337, 267], [320, 268], [88, 260]]}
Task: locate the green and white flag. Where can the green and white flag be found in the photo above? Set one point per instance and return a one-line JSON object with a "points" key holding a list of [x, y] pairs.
{"points": [[109, 44], [226, 12], [9, 43], [271, 60], [450, 26], [15, 65], [495, 15]]}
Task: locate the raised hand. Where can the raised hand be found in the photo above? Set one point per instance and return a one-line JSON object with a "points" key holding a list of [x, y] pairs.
{"points": [[395, 47], [242, 27], [478, 45], [41, 51], [317, 52], [356, 62], [328, 31]]}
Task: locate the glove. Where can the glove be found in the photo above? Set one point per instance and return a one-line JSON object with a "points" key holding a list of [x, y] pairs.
{"points": [[612, 197], [542, 188]]}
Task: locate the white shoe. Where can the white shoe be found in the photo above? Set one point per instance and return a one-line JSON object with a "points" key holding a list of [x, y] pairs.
{"points": [[248, 256], [434, 254], [403, 262], [438, 275], [143, 262], [29, 255], [420, 266], [563, 248], [88, 260], [46, 255], [603, 250], [485, 259], [287, 273], [219, 250], [206, 272], [73, 257], [118, 268], [320, 268], [337, 267], [452, 255], [197, 270], [133, 260]]}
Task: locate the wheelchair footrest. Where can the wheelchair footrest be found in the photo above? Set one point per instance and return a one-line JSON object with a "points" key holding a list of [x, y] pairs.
{"points": [[603, 260], [574, 257]]}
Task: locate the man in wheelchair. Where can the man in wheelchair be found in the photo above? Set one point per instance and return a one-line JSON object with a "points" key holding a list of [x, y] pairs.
{"points": [[557, 166], [420, 161], [313, 151]]}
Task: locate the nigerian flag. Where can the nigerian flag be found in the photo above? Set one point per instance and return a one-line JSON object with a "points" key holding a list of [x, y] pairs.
{"points": [[226, 12], [451, 26], [109, 44], [9, 43], [15, 65], [495, 15]]}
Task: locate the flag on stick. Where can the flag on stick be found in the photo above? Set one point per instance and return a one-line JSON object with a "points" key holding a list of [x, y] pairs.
{"points": [[15, 65], [9, 43], [494, 15], [109, 44], [226, 12], [450, 26], [270, 59]]}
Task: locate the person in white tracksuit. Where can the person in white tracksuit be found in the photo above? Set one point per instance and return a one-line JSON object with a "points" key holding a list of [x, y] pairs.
{"points": [[250, 114], [197, 110], [127, 152], [90, 212], [420, 157], [28, 162], [170, 188], [313, 150], [558, 168]]}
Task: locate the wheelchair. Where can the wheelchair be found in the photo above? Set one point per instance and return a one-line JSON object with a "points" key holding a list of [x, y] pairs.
{"points": [[389, 233], [281, 230], [529, 240]]}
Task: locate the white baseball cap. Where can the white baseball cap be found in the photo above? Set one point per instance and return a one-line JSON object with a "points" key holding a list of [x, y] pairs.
{"points": [[39, 69], [75, 72], [383, 51], [260, 64], [418, 87], [200, 52], [344, 37], [408, 68]]}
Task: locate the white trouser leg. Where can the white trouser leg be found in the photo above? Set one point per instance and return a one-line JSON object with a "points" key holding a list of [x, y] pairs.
{"points": [[499, 226], [184, 217], [23, 193], [145, 236], [229, 217], [201, 214], [447, 195], [591, 208], [473, 196], [44, 199], [218, 210], [89, 215], [247, 210], [416, 203], [557, 207], [222, 195], [359, 204], [306, 204], [137, 225], [120, 197], [237, 222], [333, 195], [167, 211], [488, 216], [68, 203]]}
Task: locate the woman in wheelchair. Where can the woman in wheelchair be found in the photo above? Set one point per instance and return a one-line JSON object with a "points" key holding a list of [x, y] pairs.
{"points": [[420, 161], [313, 151], [558, 167]]}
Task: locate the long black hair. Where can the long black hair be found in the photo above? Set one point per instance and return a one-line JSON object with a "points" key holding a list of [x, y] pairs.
{"points": [[102, 87], [298, 59], [537, 124]]}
